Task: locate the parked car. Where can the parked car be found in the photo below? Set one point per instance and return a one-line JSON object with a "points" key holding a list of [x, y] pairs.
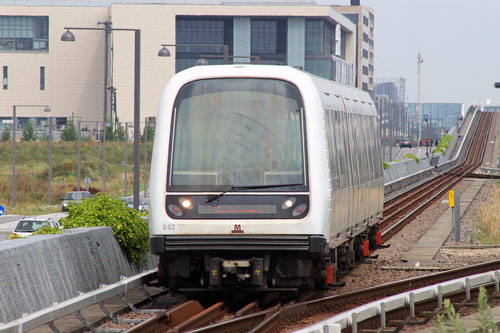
{"points": [[143, 203], [75, 197], [405, 143], [28, 225]]}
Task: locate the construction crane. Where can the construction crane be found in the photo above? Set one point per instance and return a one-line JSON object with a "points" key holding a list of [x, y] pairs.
{"points": [[419, 105]]}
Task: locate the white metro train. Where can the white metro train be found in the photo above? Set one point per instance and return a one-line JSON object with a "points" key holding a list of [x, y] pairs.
{"points": [[262, 178]]}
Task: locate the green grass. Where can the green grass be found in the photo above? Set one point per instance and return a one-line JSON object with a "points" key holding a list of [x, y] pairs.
{"points": [[32, 170]]}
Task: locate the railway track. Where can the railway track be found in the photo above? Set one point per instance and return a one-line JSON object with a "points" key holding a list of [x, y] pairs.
{"points": [[217, 317], [401, 209], [190, 316]]}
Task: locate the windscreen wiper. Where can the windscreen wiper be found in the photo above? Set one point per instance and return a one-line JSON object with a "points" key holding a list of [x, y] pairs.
{"points": [[251, 187]]}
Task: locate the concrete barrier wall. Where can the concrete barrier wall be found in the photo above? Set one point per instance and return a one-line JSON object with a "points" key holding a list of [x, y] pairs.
{"points": [[404, 173], [39, 270]]}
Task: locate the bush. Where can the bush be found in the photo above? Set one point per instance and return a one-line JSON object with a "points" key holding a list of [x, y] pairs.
{"points": [[6, 133], [29, 132], [413, 157], [386, 165], [129, 229], [69, 132], [48, 230]]}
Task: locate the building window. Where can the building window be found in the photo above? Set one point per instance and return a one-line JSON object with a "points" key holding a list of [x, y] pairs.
{"points": [[5, 77], [364, 86], [314, 37], [365, 20], [42, 78], [365, 70], [321, 38], [365, 37], [268, 40], [365, 54], [24, 33], [202, 30]]}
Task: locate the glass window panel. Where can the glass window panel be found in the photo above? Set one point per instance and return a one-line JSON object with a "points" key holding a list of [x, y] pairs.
{"points": [[242, 132], [24, 33]]}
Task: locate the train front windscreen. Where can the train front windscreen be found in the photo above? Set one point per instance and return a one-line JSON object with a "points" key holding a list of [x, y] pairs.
{"points": [[237, 132]]}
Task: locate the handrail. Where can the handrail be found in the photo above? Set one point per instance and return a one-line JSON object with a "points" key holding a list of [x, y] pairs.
{"points": [[408, 299]]}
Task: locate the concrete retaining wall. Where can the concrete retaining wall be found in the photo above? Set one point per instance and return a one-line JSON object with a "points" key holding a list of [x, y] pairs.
{"points": [[39, 270]]}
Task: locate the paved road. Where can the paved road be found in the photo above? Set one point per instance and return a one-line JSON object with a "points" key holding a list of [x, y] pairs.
{"points": [[7, 222]]}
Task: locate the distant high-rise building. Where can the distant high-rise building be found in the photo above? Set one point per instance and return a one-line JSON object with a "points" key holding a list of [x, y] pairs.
{"points": [[394, 89], [364, 19]]}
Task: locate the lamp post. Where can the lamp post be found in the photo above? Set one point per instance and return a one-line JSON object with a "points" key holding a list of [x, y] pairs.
{"points": [[69, 37], [126, 156], [105, 127], [14, 128], [79, 157], [164, 52], [146, 130]]}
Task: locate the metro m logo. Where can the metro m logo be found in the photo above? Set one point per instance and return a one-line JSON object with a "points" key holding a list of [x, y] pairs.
{"points": [[237, 229]]}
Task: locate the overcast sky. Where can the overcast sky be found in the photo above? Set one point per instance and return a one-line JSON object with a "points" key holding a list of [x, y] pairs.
{"points": [[459, 41]]}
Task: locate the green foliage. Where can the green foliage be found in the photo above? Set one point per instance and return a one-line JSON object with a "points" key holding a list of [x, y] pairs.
{"points": [[6, 133], [29, 132], [48, 230], [413, 157], [484, 317], [117, 134], [443, 145], [14, 236], [449, 321], [386, 165], [69, 133], [439, 151], [151, 132], [129, 229]]}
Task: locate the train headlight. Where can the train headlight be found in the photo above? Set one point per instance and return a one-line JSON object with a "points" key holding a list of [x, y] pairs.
{"points": [[299, 210], [186, 203], [174, 209], [288, 203]]}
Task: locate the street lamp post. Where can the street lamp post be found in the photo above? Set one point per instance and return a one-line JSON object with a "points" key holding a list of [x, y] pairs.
{"points": [[68, 36], [126, 156], [50, 158], [79, 157], [14, 128], [105, 127]]}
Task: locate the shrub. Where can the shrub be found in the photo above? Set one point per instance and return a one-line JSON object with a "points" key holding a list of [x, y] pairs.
{"points": [[412, 157], [386, 165], [129, 229], [69, 132], [6, 133], [48, 230], [14, 236], [29, 132]]}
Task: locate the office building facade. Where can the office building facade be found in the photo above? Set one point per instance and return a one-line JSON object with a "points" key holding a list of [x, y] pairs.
{"points": [[86, 80]]}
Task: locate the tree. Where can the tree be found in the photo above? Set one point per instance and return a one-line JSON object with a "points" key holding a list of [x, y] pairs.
{"points": [[117, 134], [6, 133], [29, 132], [151, 132], [69, 132]]}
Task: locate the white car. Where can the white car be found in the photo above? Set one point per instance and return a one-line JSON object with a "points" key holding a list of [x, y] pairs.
{"points": [[28, 225], [143, 203]]}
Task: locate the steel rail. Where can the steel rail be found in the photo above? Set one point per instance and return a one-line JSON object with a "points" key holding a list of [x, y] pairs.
{"points": [[410, 210]]}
